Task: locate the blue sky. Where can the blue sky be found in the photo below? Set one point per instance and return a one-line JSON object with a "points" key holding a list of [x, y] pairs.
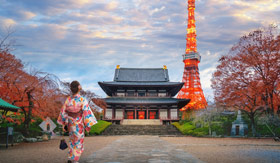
{"points": [[84, 40]]}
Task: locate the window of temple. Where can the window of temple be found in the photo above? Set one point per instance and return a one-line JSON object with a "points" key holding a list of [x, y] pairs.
{"points": [[130, 92], [152, 93], [120, 94], [141, 93], [162, 94]]}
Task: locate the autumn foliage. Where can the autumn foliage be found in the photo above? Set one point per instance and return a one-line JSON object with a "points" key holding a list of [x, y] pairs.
{"points": [[248, 77], [38, 94]]}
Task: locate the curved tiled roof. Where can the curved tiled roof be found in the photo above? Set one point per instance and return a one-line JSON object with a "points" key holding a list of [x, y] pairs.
{"points": [[6, 106], [141, 75]]}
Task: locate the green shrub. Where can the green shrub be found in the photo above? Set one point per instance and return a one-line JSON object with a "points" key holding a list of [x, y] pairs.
{"points": [[218, 129], [199, 134], [98, 128], [189, 132], [185, 129], [176, 124], [277, 131], [263, 130], [203, 129], [200, 131]]}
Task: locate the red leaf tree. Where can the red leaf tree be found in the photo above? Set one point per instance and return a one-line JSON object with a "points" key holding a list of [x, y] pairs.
{"points": [[248, 77], [36, 93]]}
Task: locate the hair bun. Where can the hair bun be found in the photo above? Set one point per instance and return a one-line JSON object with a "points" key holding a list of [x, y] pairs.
{"points": [[74, 86]]}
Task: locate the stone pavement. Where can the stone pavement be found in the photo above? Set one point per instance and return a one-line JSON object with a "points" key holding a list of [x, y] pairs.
{"points": [[138, 149]]}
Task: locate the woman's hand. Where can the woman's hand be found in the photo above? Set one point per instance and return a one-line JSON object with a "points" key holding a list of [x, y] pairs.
{"points": [[64, 128]]}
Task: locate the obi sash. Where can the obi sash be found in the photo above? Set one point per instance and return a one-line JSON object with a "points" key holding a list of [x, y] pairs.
{"points": [[74, 111]]}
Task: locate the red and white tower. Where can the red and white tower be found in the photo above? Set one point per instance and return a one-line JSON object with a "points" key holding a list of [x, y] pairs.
{"points": [[192, 87]]}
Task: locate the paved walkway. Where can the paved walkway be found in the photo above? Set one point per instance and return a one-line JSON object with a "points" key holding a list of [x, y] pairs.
{"points": [[132, 149], [153, 149]]}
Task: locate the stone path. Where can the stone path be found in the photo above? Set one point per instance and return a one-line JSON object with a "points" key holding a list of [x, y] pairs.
{"points": [[134, 149]]}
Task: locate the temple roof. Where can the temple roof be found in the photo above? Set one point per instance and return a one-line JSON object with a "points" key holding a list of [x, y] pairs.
{"points": [[155, 78], [7, 106], [147, 101], [141, 75], [142, 83], [111, 87]]}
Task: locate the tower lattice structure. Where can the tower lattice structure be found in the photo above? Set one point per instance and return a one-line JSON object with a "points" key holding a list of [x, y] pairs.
{"points": [[192, 87]]}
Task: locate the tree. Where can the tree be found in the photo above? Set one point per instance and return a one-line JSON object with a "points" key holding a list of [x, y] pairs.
{"points": [[248, 76], [36, 93], [6, 41]]}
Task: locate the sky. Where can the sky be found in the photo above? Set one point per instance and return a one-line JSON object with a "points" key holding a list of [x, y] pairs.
{"points": [[84, 40]]}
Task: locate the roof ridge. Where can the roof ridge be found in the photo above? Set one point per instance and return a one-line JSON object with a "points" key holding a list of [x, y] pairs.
{"points": [[128, 68]]}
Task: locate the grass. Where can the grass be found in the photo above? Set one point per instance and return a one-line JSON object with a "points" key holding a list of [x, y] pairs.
{"points": [[98, 128]]}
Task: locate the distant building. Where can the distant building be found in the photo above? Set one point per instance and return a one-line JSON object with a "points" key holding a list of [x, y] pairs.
{"points": [[142, 93], [239, 127]]}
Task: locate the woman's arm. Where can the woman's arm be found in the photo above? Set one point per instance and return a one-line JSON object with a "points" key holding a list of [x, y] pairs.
{"points": [[63, 116], [88, 116]]}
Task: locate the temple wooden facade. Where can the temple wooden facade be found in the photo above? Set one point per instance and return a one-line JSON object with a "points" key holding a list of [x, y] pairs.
{"points": [[142, 93]]}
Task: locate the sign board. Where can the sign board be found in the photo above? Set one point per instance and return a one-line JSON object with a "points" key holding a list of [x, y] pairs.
{"points": [[10, 131], [48, 125]]}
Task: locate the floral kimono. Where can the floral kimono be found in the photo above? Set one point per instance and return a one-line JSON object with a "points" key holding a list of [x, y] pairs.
{"points": [[81, 119]]}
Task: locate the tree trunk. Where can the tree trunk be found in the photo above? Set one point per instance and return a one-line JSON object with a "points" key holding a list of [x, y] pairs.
{"points": [[210, 131], [253, 124], [209, 127], [271, 103], [28, 116]]}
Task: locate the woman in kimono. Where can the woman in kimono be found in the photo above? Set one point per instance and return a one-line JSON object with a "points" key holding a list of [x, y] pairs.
{"points": [[77, 116]]}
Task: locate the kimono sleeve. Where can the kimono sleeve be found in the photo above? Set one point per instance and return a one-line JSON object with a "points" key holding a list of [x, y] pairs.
{"points": [[63, 116], [88, 116]]}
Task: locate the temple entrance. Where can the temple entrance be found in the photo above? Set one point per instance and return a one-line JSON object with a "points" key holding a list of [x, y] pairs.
{"points": [[130, 114], [153, 114], [237, 130], [141, 114]]}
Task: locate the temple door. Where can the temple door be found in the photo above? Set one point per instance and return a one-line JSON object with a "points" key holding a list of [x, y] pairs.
{"points": [[141, 114], [237, 130], [152, 114], [130, 115]]}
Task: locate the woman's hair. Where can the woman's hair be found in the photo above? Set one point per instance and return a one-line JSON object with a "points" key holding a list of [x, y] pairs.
{"points": [[74, 86]]}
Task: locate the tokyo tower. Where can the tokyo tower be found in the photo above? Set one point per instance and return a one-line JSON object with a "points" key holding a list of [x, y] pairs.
{"points": [[192, 87]]}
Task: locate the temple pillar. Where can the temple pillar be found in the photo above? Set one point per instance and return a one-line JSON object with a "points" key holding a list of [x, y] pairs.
{"points": [[135, 114], [147, 111], [123, 112], [168, 113], [159, 114]]}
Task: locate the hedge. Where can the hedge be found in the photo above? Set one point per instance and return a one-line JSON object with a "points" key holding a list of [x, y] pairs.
{"points": [[186, 128], [98, 128]]}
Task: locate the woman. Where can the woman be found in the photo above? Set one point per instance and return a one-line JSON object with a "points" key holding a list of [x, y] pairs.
{"points": [[77, 116]]}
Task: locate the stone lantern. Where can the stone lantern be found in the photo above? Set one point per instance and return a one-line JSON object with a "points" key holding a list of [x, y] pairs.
{"points": [[239, 127]]}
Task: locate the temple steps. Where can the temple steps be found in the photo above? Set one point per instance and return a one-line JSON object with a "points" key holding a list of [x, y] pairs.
{"points": [[141, 122], [141, 130]]}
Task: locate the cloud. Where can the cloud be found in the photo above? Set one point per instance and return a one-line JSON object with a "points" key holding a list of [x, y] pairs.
{"points": [[89, 38], [6, 22]]}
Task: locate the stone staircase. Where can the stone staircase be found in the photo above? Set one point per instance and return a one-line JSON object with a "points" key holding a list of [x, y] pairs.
{"points": [[141, 122], [141, 130]]}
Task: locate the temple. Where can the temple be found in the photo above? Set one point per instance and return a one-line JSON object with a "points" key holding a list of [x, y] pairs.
{"points": [[142, 93]]}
